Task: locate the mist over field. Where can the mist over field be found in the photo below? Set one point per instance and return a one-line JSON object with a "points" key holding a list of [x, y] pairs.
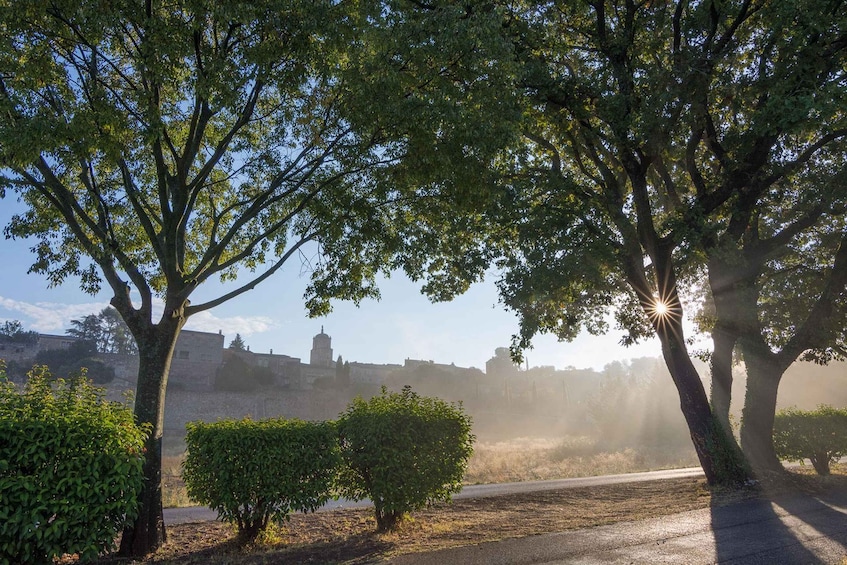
{"points": [[533, 424]]}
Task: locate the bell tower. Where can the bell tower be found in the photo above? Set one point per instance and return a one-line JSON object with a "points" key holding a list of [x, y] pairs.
{"points": [[321, 355]]}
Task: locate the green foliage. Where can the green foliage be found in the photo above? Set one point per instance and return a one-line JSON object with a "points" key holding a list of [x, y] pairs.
{"points": [[70, 468], [403, 451], [254, 472], [819, 435]]}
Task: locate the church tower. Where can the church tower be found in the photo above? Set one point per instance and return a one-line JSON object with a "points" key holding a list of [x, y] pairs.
{"points": [[321, 355]]}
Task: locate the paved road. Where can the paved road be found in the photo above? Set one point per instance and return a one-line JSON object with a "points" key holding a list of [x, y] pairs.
{"points": [[790, 530], [202, 514]]}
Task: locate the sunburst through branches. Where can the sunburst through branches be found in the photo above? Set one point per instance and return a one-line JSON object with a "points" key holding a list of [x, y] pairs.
{"points": [[663, 311]]}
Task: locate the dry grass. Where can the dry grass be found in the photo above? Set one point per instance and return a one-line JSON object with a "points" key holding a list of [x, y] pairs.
{"points": [[347, 536], [521, 459], [534, 459], [174, 494]]}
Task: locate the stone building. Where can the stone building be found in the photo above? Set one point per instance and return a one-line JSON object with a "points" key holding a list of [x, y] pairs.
{"points": [[371, 373], [501, 365], [197, 357], [284, 368], [321, 355], [26, 352]]}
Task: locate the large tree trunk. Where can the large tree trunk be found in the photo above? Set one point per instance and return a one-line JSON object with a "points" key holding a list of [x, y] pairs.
{"points": [[155, 351], [720, 458], [764, 373]]}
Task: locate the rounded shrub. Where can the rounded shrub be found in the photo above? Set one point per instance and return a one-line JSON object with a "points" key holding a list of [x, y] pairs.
{"points": [[253, 472], [819, 435], [403, 451], [70, 469]]}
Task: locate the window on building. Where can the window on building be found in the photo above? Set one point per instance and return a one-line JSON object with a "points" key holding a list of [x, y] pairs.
{"points": [[183, 354]]}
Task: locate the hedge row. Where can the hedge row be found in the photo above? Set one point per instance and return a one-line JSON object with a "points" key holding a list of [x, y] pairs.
{"points": [[401, 450], [70, 468]]}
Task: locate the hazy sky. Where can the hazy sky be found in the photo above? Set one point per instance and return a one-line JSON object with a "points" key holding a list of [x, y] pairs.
{"points": [[404, 324]]}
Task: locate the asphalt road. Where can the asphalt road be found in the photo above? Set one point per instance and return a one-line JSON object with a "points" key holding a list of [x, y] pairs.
{"points": [[789, 530], [202, 514]]}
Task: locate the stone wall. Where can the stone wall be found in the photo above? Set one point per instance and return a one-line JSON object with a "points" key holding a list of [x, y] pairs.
{"points": [[183, 406]]}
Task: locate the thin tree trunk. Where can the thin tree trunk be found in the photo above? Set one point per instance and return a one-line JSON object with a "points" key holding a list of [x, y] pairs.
{"points": [[764, 373], [147, 533], [721, 366], [724, 275]]}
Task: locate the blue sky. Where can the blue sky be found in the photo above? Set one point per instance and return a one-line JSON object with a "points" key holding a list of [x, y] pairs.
{"points": [[404, 324]]}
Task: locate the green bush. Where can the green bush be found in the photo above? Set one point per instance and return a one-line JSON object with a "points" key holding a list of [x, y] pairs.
{"points": [[820, 436], [254, 472], [70, 468], [403, 451]]}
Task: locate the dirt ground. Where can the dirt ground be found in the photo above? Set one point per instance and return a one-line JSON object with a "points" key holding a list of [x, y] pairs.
{"points": [[347, 536]]}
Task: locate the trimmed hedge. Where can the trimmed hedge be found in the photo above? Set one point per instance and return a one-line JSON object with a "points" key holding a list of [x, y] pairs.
{"points": [[255, 472], [70, 468], [403, 451], [819, 435]]}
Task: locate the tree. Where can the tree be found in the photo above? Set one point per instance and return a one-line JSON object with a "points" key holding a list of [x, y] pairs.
{"points": [[779, 299], [257, 472], [597, 210], [819, 435], [776, 264], [237, 343], [106, 330], [79, 356], [342, 373], [87, 329], [654, 134], [117, 337], [12, 331], [159, 146]]}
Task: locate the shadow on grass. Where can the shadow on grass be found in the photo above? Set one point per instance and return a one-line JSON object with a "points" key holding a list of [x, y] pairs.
{"points": [[358, 549]]}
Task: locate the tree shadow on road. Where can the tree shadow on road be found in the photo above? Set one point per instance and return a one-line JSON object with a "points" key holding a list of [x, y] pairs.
{"points": [[777, 526]]}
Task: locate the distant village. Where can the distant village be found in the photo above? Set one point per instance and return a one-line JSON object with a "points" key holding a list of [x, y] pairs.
{"points": [[199, 358]]}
